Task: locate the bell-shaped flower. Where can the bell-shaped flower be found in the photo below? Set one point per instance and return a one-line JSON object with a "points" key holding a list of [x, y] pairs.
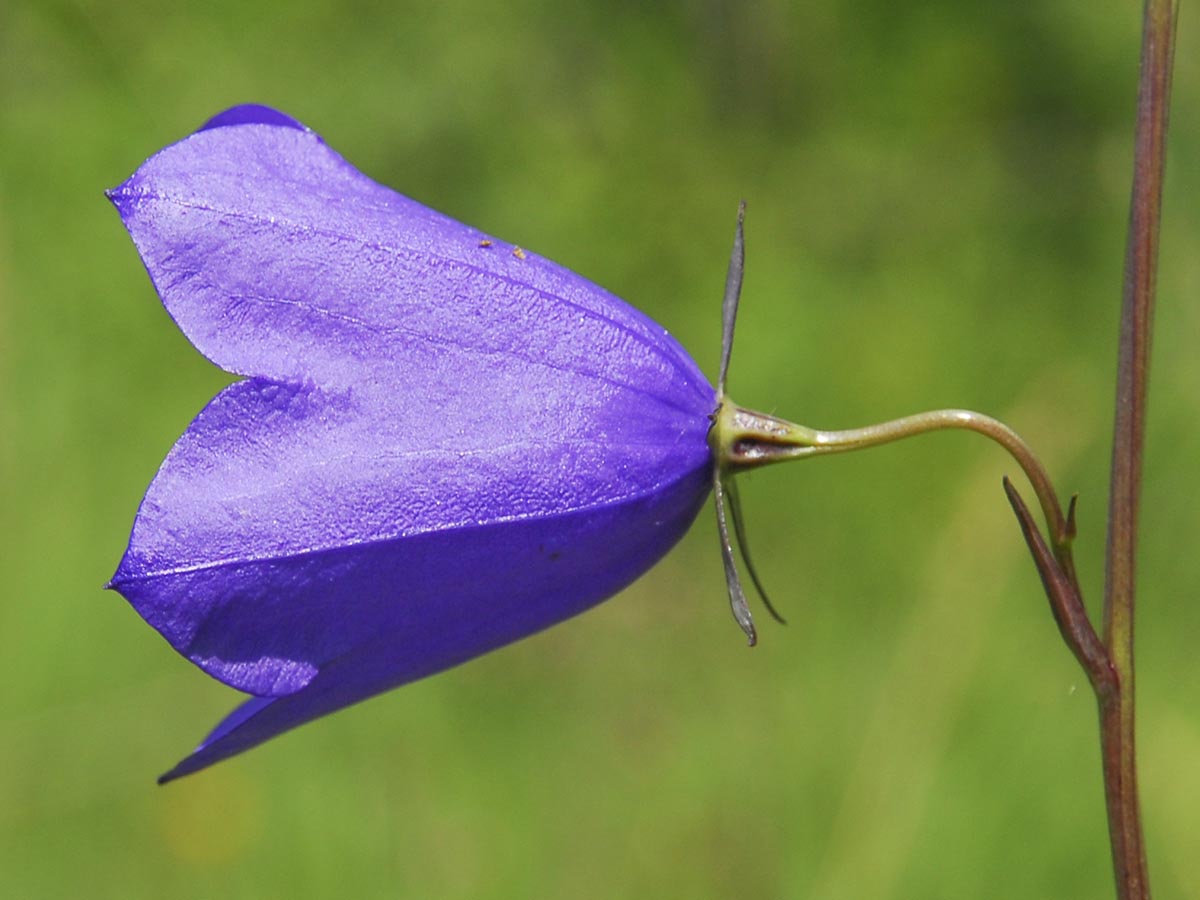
{"points": [[441, 443]]}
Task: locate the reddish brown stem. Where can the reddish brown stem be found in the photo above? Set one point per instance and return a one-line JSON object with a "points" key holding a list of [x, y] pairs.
{"points": [[1117, 708]]}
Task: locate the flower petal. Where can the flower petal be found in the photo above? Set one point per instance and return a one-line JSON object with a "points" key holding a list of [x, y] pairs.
{"points": [[446, 597], [268, 542], [279, 259]]}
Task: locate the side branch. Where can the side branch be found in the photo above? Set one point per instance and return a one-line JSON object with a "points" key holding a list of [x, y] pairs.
{"points": [[1065, 603]]}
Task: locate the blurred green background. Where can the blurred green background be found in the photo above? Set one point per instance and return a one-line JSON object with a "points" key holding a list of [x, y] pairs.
{"points": [[937, 197]]}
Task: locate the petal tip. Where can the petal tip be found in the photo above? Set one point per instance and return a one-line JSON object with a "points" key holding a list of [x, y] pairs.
{"points": [[123, 195], [170, 775], [252, 114], [120, 577]]}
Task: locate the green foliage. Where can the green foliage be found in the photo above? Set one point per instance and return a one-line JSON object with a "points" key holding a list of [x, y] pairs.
{"points": [[937, 200]]}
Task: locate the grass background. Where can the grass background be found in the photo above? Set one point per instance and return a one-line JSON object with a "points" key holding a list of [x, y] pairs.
{"points": [[937, 196]]}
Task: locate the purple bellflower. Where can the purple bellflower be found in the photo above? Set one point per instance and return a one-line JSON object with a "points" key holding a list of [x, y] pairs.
{"points": [[440, 444]]}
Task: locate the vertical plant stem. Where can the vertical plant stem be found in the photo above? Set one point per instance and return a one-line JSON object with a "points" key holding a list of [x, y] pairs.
{"points": [[1117, 705]]}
